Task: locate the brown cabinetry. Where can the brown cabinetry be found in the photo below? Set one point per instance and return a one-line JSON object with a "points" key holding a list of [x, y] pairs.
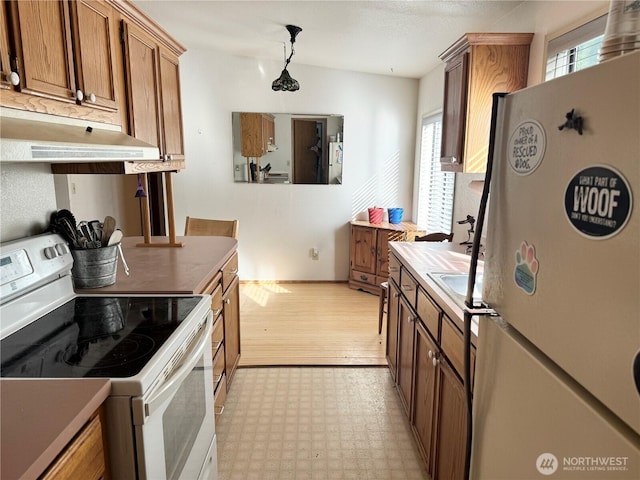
{"points": [[64, 51], [153, 94], [225, 335], [369, 252], [257, 132], [392, 328], [428, 371], [84, 457], [478, 65]]}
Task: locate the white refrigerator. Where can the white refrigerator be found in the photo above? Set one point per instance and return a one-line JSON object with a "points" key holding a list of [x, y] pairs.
{"points": [[556, 391]]}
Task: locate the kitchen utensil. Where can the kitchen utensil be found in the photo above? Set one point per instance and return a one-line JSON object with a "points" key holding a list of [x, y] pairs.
{"points": [[108, 226], [115, 237], [124, 262]]}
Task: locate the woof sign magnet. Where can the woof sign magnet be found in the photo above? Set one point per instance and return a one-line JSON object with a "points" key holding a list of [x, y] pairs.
{"points": [[598, 202]]}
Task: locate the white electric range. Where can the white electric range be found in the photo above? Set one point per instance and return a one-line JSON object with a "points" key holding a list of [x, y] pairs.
{"points": [[155, 349]]}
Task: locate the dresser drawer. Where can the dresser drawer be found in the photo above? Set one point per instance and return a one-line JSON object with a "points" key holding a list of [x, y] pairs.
{"points": [[369, 278], [429, 313], [229, 271], [452, 344]]}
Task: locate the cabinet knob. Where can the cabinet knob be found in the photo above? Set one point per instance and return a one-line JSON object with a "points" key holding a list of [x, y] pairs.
{"points": [[410, 319], [396, 295], [431, 354], [450, 160], [79, 95], [227, 301], [13, 78], [169, 157], [92, 98], [435, 361]]}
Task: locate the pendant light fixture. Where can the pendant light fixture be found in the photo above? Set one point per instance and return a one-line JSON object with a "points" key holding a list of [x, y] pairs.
{"points": [[285, 82]]}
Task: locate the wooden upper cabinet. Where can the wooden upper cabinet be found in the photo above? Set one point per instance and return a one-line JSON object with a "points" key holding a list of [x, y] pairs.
{"points": [[141, 69], [5, 64], [42, 35], [258, 132], [478, 65], [155, 110], [64, 55], [95, 35], [171, 106]]}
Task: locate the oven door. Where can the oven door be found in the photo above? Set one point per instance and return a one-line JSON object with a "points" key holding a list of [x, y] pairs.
{"points": [[177, 429]]}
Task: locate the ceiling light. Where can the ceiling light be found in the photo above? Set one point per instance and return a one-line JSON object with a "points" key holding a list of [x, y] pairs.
{"points": [[285, 82]]}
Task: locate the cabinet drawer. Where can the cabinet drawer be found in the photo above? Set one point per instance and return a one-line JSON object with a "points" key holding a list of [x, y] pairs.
{"points": [[218, 366], [220, 395], [364, 277], [394, 268], [216, 302], [229, 271], [408, 287], [429, 314], [452, 343], [83, 458], [217, 335]]}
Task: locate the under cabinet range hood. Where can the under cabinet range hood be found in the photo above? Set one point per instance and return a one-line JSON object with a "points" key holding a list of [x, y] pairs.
{"points": [[28, 137]]}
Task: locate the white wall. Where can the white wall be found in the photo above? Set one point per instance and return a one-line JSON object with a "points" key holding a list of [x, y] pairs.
{"points": [[541, 17], [279, 224]]}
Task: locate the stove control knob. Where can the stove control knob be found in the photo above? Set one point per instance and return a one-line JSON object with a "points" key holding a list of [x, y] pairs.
{"points": [[62, 249], [50, 252]]}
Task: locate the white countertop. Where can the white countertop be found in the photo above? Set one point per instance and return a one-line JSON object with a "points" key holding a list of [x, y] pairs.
{"points": [[422, 258]]}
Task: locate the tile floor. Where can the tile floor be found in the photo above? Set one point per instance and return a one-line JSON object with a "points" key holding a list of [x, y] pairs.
{"points": [[312, 423]]}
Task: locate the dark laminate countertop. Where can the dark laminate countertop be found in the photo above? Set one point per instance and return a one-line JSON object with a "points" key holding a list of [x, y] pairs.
{"points": [[169, 270]]}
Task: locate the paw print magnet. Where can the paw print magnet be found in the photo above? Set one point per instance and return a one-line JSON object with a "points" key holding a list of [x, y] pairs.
{"points": [[526, 270]]}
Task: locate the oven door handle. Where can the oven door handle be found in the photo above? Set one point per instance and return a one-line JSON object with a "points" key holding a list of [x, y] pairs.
{"points": [[192, 358]]}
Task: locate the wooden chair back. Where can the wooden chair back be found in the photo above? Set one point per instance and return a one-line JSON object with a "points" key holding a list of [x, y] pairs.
{"points": [[435, 237], [213, 228]]}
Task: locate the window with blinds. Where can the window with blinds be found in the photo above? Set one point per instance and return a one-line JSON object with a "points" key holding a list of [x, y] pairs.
{"points": [[435, 189], [576, 49]]}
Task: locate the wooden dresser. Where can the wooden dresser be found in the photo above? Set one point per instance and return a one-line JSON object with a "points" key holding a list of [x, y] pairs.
{"points": [[369, 251]]}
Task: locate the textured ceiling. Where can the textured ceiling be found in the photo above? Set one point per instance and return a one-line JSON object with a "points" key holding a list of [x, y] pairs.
{"points": [[392, 37]]}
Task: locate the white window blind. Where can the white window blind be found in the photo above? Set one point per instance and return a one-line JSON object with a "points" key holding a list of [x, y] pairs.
{"points": [[435, 189], [576, 49]]}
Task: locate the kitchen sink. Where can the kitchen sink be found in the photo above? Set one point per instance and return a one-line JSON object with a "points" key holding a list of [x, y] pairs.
{"points": [[455, 284]]}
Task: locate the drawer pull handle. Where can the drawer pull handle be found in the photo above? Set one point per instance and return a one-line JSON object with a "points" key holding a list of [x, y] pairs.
{"points": [[393, 269], [219, 410], [364, 277], [216, 345], [217, 312], [407, 288], [234, 271], [217, 378]]}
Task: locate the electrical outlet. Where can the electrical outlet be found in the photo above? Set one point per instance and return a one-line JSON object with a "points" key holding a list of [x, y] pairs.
{"points": [[314, 253]]}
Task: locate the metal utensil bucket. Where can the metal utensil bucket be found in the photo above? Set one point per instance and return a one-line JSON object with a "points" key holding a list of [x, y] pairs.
{"points": [[94, 267]]}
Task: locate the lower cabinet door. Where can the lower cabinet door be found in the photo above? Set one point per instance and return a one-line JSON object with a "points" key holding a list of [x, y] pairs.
{"points": [[451, 431], [424, 389], [231, 316], [406, 330], [392, 329]]}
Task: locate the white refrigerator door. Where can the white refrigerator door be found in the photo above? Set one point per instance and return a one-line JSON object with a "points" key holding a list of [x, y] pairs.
{"points": [[575, 295], [532, 421]]}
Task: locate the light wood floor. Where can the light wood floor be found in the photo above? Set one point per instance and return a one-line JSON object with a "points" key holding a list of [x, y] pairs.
{"points": [[309, 324]]}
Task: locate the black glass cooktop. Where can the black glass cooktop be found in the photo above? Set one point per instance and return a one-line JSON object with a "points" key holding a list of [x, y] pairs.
{"points": [[108, 337]]}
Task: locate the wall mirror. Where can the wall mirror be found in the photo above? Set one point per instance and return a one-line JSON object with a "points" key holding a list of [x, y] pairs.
{"points": [[287, 148]]}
